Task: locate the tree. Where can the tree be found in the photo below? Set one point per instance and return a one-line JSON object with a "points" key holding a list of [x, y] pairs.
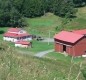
{"points": [[79, 3], [33, 8], [9, 15], [64, 8], [15, 16]]}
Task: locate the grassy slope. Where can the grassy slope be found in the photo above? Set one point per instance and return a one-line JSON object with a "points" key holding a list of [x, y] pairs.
{"points": [[79, 22], [14, 66], [61, 57], [42, 25]]}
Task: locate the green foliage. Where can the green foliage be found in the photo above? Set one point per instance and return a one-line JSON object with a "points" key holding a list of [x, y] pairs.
{"points": [[33, 8], [79, 3], [9, 15], [13, 11], [64, 8], [84, 72]]}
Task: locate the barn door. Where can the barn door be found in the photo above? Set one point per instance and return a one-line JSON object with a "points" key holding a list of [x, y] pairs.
{"points": [[64, 48]]}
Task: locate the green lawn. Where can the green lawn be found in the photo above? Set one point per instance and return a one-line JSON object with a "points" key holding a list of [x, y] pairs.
{"points": [[61, 57], [37, 46], [42, 25]]}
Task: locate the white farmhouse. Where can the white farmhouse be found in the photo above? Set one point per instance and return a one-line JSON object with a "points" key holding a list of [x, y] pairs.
{"points": [[16, 34]]}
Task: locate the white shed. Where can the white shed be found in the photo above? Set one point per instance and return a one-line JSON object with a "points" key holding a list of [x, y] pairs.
{"points": [[24, 44]]}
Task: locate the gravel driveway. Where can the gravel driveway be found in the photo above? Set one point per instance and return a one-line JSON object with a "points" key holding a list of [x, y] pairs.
{"points": [[41, 54]]}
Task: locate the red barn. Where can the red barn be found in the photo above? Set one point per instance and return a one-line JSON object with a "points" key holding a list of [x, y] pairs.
{"points": [[83, 32], [72, 43]]}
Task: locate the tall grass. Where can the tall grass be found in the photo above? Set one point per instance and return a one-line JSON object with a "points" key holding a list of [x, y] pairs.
{"points": [[15, 66]]}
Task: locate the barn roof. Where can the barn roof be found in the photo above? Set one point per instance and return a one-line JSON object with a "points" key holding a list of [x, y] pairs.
{"points": [[15, 35], [68, 36], [83, 32], [14, 29], [22, 42]]}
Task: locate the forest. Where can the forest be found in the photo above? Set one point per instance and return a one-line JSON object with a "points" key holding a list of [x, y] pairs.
{"points": [[14, 12]]}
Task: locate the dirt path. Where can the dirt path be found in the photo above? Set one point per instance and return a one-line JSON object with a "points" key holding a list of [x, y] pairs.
{"points": [[48, 40], [41, 54]]}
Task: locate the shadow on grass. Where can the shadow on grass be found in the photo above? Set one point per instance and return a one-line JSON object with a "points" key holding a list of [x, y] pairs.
{"points": [[1, 32]]}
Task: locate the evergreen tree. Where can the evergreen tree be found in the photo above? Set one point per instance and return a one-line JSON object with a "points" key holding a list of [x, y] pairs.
{"points": [[64, 8], [12, 12], [33, 8], [9, 15], [79, 3]]}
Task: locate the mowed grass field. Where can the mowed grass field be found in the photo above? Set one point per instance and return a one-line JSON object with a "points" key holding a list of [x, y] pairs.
{"points": [[37, 47], [41, 26], [62, 57]]}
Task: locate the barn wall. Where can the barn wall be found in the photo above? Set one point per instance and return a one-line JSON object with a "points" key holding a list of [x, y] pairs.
{"points": [[69, 50], [58, 47], [80, 47], [77, 49]]}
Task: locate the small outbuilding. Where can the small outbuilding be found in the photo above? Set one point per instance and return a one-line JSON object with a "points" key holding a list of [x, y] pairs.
{"points": [[72, 43], [23, 44]]}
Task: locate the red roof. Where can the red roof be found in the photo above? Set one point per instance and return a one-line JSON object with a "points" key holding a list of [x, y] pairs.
{"points": [[68, 36], [22, 42], [15, 35], [14, 29], [83, 32]]}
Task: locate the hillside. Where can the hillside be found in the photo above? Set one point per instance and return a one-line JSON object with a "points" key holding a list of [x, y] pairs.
{"points": [[42, 25], [15, 66], [79, 22]]}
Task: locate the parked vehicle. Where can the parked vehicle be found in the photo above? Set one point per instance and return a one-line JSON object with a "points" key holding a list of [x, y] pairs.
{"points": [[39, 38]]}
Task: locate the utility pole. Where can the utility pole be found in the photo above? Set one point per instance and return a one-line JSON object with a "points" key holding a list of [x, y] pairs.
{"points": [[49, 38]]}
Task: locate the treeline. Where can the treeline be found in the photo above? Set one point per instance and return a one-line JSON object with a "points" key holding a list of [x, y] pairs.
{"points": [[79, 3], [12, 12]]}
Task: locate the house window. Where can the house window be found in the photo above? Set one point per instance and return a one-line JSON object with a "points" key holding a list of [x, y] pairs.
{"points": [[64, 48]]}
